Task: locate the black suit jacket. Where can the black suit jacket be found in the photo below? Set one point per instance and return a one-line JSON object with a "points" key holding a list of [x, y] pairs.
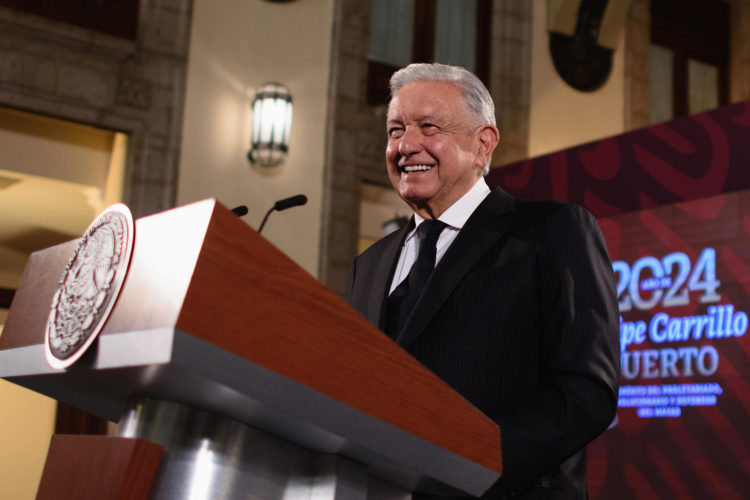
{"points": [[520, 317]]}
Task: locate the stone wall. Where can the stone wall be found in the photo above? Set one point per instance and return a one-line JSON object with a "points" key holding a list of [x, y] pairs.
{"points": [[75, 74], [739, 53], [637, 79], [354, 144], [510, 77]]}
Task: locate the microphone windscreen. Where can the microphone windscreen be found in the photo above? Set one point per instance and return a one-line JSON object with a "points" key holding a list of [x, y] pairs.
{"points": [[290, 202], [240, 210]]}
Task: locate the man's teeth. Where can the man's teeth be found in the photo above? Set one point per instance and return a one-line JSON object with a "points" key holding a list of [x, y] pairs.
{"points": [[417, 168]]}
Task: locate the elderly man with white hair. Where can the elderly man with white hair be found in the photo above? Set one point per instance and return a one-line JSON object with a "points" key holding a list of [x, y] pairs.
{"points": [[510, 302]]}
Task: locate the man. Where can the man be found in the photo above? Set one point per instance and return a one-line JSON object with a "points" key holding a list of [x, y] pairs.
{"points": [[519, 314]]}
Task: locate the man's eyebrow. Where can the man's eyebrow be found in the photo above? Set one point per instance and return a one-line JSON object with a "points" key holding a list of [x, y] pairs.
{"points": [[423, 118]]}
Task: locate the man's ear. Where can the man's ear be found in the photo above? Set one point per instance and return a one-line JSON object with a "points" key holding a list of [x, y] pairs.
{"points": [[489, 137]]}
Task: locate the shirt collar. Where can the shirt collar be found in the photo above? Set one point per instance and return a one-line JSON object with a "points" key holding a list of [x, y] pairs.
{"points": [[457, 214]]}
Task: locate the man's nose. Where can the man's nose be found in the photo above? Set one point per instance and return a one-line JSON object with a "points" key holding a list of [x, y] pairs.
{"points": [[411, 142]]}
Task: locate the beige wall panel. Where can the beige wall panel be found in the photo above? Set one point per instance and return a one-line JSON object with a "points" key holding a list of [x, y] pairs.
{"points": [[235, 47], [562, 116], [27, 420]]}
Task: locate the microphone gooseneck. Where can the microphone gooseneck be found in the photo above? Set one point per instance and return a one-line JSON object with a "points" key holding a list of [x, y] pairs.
{"points": [[292, 201]]}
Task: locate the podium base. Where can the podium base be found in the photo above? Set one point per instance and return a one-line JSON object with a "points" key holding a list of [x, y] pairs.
{"points": [[207, 456]]}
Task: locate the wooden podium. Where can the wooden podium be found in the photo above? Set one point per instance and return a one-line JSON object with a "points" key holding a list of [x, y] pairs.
{"points": [[255, 379]]}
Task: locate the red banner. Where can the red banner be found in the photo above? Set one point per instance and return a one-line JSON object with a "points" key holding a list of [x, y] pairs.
{"points": [[673, 202]]}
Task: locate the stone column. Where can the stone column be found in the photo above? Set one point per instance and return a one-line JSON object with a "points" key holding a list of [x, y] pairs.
{"points": [[739, 51], [510, 77], [637, 79]]}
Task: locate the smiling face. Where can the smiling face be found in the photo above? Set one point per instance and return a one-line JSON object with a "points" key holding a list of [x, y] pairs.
{"points": [[436, 149]]}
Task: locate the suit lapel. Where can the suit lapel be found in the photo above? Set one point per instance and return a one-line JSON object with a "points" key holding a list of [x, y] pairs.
{"points": [[480, 233], [383, 274]]}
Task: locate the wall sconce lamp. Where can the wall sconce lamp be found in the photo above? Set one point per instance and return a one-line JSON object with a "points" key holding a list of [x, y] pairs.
{"points": [[272, 125]]}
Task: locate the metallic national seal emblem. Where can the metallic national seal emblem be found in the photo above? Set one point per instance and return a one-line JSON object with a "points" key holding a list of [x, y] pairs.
{"points": [[89, 286]]}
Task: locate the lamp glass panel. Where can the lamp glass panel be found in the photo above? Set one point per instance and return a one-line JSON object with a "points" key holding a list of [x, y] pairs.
{"points": [[272, 121], [279, 121], [257, 115], [288, 127], [267, 121]]}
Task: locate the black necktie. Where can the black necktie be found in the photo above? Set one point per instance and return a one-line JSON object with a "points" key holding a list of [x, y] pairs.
{"points": [[401, 302]]}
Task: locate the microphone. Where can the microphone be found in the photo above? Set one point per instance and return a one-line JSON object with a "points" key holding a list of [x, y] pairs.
{"points": [[240, 210], [292, 201]]}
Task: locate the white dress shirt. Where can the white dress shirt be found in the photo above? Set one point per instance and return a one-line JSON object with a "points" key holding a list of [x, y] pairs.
{"points": [[454, 217]]}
